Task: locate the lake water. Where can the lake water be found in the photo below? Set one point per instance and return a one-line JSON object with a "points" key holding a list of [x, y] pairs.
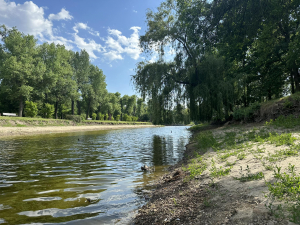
{"points": [[83, 178]]}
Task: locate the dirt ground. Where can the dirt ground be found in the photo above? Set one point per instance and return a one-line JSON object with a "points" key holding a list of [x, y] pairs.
{"points": [[21, 131], [177, 199]]}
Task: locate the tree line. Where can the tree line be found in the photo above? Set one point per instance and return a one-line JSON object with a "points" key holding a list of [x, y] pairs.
{"points": [[228, 54], [49, 81]]}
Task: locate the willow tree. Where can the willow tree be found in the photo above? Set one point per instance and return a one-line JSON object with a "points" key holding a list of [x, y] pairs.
{"points": [[197, 71]]}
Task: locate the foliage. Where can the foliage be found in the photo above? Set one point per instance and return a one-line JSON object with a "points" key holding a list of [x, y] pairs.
{"points": [[196, 167], [75, 118], [206, 140], [286, 122], [101, 116], [47, 110], [94, 116], [286, 188], [31, 109], [247, 113], [117, 118]]}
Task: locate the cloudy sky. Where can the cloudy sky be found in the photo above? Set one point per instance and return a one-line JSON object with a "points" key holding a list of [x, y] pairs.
{"points": [[108, 30]]}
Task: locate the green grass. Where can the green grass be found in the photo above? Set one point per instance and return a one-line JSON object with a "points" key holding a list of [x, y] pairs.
{"points": [[206, 140], [60, 122], [198, 127], [285, 122], [286, 188], [196, 167], [218, 172]]}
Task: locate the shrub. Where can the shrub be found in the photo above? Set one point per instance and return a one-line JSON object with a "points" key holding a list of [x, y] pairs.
{"points": [[125, 117], [117, 118], [47, 111], [75, 118], [31, 109], [100, 116], [112, 118], [83, 116], [106, 116], [246, 113], [94, 116]]}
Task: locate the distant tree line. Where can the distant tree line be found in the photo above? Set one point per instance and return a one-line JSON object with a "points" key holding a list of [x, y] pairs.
{"points": [[50, 81], [228, 54]]}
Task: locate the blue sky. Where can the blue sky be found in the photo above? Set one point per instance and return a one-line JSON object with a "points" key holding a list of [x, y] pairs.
{"points": [[107, 29]]}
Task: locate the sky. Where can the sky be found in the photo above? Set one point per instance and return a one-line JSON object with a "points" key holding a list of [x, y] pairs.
{"points": [[108, 30]]}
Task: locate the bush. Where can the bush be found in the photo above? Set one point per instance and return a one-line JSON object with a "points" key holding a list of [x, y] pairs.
{"points": [[112, 118], [134, 118], [47, 111], [106, 116], [117, 118], [31, 109], [83, 116], [100, 116], [94, 116], [75, 118], [247, 113]]}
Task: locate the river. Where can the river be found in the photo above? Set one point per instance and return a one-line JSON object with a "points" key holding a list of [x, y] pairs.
{"points": [[85, 177]]}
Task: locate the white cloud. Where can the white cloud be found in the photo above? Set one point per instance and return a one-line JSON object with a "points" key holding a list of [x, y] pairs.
{"points": [[62, 15], [118, 44], [134, 11], [90, 46], [80, 26], [27, 17]]}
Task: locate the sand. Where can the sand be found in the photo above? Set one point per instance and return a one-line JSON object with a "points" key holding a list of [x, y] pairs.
{"points": [[22, 131]]}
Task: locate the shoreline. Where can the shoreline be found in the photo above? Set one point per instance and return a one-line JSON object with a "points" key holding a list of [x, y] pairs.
{"points": [[35, 130], [213, 196]]}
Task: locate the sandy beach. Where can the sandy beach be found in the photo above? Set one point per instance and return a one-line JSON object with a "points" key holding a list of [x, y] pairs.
{"points": [[22, 131]]}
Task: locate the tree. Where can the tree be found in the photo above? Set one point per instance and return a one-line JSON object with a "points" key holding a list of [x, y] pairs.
{"points": [[21, 68], [94, 89]]}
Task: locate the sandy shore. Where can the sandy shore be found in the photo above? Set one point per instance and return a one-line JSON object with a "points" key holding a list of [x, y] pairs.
{"points": [[22, 131]]}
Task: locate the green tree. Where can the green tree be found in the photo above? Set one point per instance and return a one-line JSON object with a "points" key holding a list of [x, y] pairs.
{"points": [[21, 67]]}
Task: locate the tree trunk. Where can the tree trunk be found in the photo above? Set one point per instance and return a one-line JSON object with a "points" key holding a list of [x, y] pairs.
{"points": [[21, 107], [78, 107], [296, 78], [72, 107], [88, 110], [56, 109], [292, 83]]}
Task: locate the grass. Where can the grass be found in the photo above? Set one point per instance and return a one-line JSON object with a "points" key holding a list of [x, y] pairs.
{"points": [[218, 172], [198, 127], [286, 188], [196, 167], [60, 122], [249, 176]]}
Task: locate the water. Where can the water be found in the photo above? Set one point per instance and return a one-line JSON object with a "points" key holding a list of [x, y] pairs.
{"points": [[83, 178]]}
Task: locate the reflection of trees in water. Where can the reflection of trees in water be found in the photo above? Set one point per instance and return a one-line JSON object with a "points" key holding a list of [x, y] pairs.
{"points": [[159, 148]]}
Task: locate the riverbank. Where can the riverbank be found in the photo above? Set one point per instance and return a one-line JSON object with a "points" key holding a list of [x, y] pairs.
{"points": [[34, 130], [234, 174]]}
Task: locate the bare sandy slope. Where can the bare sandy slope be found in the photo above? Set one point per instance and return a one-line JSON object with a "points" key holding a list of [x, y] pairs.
{"points": [[21, 131]]}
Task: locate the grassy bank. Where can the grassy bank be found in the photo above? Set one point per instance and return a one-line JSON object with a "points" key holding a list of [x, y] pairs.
{"points": [[28, 122], [235, 174]]}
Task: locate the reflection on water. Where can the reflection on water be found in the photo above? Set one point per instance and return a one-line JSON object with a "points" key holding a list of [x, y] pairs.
{"points": [[90, 176]]}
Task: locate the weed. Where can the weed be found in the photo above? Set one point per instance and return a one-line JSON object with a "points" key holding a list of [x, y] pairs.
{"points": [[286, 188], [174, 200], [230, 164], [283, 139], [218, 172], [249, 176], [196, 167], [241, 156]]}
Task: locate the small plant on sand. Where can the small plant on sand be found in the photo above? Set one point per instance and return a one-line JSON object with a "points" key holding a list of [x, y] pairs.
{"points": [[249, 176], [196, 167], [218, 172], [283, 139], [241, 156], [286, 188]]}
